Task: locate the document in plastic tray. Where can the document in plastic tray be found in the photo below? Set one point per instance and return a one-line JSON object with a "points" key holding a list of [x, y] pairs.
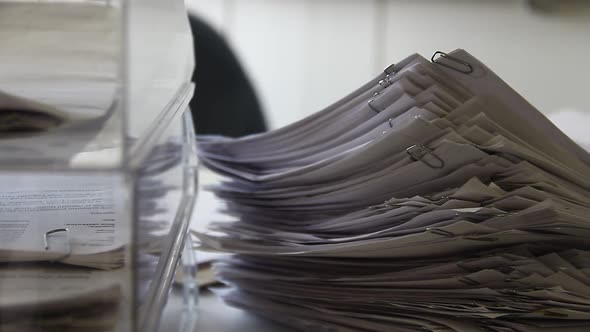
{"points": [[72, 219], [57, 294], [28, 285], [59, 63]]}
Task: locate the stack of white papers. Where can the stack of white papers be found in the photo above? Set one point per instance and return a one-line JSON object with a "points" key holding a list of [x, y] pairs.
{"points": [[432, 198]]}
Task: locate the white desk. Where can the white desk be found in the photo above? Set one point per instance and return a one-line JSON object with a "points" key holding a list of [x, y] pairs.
{"points": [[213, 314], [216, 316]]}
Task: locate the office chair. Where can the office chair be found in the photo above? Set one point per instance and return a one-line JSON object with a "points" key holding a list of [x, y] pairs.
{"points": [[225, 102]]}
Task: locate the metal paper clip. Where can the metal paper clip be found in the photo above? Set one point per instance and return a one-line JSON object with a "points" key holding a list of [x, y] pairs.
{"points": [[371, 103], [467, 68], [389, 70], [419, 151], [385, 82], [389, 121], [67, 241]]}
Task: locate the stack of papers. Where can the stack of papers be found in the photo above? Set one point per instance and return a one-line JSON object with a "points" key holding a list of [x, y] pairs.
{"points": [[432, 198], [60, 298], [59, 62]]}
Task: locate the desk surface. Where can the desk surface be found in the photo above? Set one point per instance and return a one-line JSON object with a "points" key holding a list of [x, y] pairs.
{"points": [[216, 316], [213, 314]]}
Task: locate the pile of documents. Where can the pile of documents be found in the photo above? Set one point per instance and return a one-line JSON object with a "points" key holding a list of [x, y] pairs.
{"points": [[59, 62], [433, 198]]}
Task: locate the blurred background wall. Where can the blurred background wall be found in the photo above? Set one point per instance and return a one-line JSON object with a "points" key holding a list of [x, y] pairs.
{"points": [[302, 55]]}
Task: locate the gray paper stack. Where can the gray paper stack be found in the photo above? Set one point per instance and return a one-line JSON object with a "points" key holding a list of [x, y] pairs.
{"points": [[432, 198]]}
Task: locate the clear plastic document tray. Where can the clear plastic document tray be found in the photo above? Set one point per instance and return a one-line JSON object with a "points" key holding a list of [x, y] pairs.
{"points": [[97, 162]]}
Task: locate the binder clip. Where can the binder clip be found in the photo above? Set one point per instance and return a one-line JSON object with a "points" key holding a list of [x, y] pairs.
{"points": [[463, 67], [68, 250], [419, 151]]}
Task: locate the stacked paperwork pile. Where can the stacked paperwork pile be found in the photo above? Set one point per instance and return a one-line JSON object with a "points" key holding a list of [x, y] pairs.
{"points": [[59, 63], [432, 198]]}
